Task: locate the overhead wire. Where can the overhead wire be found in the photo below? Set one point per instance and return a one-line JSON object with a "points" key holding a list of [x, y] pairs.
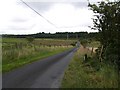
{"points": [[39, 14], [44, 17]]}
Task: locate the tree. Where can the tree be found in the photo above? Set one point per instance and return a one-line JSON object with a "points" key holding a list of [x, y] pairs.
{"points": [[107, 22], [84, 42]]}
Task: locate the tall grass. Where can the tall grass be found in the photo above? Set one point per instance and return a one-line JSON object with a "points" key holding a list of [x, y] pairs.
{"points": [[88, 74]]}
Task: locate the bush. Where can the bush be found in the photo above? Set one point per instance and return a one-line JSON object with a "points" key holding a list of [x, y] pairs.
{"points": [[84, 42]]}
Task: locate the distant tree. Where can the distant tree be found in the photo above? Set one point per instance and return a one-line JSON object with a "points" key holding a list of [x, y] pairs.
{"points": [[84, 42]]}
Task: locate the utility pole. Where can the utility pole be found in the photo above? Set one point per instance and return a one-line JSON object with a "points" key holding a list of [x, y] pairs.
{"points": [[76, 36], [67, 36]]}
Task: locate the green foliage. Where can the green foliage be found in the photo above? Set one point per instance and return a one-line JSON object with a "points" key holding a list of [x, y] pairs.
{"points": [[73, 44], [93, 43], [89, 74], [107, 22], [84, 42]]}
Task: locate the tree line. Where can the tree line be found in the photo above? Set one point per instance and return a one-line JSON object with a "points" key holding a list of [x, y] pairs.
{"points": [[57, 35]]}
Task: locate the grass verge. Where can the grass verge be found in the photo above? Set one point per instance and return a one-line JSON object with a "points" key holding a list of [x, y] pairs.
{"points": [[89, 74], [9, 65]]}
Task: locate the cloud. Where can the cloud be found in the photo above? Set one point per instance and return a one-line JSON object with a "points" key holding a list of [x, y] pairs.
{"points": [[17, 18], [46, 6], [41, 6], [59, 1], [66, 15], [79, 4]]}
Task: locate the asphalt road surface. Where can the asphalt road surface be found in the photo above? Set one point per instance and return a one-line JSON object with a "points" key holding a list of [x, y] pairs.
{"points": [[46, 73]]}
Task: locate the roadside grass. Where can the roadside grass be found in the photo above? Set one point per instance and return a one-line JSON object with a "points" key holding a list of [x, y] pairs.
{"points": [[21, 57], [88, 74], [17, 52]]}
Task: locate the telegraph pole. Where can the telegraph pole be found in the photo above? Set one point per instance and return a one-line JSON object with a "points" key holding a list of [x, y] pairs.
{"points": [[67, 36], [76, 36]]}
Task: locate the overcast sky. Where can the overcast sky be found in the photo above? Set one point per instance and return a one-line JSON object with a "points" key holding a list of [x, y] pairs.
{"points": [[66, 15]]}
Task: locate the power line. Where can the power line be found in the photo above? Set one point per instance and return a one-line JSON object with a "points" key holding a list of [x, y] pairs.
{"points": [[39, 14], [44, 17]]}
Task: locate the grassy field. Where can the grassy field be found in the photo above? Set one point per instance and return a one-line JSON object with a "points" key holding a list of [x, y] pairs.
{"points": [[17, 52], [89, 74], [53, 42]]}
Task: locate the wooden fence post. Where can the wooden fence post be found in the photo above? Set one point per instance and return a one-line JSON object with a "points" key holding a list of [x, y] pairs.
{"points": [[100, 56], [85, 57], [92, 51]]}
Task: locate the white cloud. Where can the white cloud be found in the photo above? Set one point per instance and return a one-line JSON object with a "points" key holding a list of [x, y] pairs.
{"points": [[65, 15], [61, 0], [11, 14], [17, 18]]}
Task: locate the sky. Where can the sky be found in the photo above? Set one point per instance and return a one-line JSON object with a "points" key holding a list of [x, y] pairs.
{"points": [[62, 16]]}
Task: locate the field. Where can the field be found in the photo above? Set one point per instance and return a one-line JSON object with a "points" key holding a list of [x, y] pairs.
{"points": [[89, 73], [17, 52]]}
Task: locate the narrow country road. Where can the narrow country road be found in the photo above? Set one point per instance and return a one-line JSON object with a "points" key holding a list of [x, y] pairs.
{"points": [[46, 73]]}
